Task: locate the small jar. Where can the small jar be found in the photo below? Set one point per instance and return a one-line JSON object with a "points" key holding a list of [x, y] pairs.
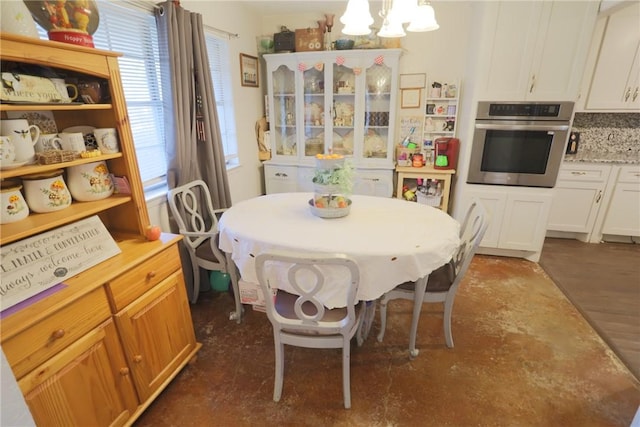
{"points": [[90, 181], [46, 192], [14, 207]]}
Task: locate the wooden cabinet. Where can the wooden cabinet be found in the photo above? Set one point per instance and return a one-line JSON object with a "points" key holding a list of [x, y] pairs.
{"points": [[536, 50], [64, 390], [577, 198], [100, 348], [435, 184], [615, 84], [517, 219], [336, 101], [623, 214]]}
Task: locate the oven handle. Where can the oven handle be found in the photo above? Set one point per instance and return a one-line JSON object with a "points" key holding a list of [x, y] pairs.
{"points": [[521, 127]]}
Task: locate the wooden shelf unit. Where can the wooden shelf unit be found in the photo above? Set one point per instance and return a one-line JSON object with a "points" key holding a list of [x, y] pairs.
{"points": [[426, 173]]}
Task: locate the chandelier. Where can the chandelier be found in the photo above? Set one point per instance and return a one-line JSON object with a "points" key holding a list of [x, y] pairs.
{"points": [[419, 14]]}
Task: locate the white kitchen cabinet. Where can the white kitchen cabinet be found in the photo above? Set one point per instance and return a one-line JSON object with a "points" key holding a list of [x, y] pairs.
{"points": [[615, 84], [537, 50], [623, 215], [517, 219], [373, 183], [335, 101], [577, 198]]}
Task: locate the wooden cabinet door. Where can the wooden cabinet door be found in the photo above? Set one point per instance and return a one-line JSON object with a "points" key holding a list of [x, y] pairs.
{"points": [[87, 384], [157, 334], [612, 85]]}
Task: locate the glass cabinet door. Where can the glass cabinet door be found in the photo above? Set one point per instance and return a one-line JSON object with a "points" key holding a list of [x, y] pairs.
{"points": [[283, 119], [376, 111], [314, 105], [343, 109]]}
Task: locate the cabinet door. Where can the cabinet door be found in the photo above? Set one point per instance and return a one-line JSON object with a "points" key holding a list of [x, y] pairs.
{"points": [[157, 333], [378, 183], [494, 203], [282, 100], [613, 85], [575, 206], [561, 50], [514, 26], [525, 221], [623, 216], [312, 129], [87, 384], [280, 179]]}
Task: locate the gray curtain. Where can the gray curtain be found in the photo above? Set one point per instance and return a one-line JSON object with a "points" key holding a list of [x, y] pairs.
{"points": [[194, 144]]}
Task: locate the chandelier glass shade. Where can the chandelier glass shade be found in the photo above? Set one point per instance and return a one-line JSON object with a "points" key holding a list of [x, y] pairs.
{"points": [[357, 18], [418, 13], [424, 18]]}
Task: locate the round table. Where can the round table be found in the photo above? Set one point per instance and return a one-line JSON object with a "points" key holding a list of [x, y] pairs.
{"points": [[392, 240]]}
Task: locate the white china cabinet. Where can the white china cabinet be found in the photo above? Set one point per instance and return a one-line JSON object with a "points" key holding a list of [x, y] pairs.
{"points": [[340, 101], [536, 50]]}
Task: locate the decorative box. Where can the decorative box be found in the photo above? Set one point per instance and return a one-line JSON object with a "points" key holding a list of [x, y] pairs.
{"points": [[284, 41]]}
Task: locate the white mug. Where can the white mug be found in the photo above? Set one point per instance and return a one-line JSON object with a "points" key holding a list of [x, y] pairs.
{"points": [[24, 136], [72, 141], [48, 142], [107, 140]]}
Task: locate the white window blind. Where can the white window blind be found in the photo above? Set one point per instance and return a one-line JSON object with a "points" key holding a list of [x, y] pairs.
{"points": [[218, 53]]}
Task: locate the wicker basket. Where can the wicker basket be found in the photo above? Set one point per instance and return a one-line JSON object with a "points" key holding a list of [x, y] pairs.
{"points": [[56, 156]]}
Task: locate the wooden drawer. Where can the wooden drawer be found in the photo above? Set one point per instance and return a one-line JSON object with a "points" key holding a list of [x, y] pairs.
{"points": [[630, 174], [40, 342], [124, 289], [590, 173]]}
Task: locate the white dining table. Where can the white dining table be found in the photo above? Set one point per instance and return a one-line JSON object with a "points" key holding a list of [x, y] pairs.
{"points": [[392, 240]]}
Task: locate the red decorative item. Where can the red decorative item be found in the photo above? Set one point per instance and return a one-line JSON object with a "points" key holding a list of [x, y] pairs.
{"points": [[302, 66], [379, 60], [340, 60], [448, 147], [153, 232]]}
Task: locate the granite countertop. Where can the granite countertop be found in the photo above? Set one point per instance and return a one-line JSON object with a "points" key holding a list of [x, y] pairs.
{"points": [[629, 157]]}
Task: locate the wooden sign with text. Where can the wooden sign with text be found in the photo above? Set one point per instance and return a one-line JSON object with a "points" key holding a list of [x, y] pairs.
{"points": [[33, 265]]}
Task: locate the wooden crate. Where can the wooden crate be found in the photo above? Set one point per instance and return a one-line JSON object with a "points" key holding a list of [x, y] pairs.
{"points": [[309, 39]]}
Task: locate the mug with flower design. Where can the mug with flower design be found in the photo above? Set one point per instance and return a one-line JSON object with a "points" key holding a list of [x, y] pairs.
{"points": [[14, 207], [46, 192], [90, 181]]}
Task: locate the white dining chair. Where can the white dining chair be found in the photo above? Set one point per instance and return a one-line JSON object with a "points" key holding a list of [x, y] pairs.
{"points": [[302, 320], [197, 221], [443, 283]]}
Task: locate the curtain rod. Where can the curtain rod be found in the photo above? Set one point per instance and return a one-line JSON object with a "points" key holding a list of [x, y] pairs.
{"points": [[222, 32]]}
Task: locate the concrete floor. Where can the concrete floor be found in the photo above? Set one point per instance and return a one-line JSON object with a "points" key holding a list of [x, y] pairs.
{"points": [[523, 356]]}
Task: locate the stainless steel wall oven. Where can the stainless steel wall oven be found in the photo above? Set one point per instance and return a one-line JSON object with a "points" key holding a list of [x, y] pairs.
{"points": [[519, 143]]}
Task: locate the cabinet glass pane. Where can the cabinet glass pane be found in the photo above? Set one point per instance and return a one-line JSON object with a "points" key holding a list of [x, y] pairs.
{"points": [[284, 111], [376, 112], [313, 89], [344, 81]]}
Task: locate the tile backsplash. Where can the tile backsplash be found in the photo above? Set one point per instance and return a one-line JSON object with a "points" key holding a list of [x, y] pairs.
{"points": [[608, 132]]}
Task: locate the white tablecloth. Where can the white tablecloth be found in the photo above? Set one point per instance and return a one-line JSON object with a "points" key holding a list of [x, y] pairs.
{"points": [[392, 240]]}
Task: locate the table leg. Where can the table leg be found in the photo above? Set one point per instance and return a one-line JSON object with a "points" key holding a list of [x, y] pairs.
{"points": [[366, 322], [418, 299], [233, 272]]}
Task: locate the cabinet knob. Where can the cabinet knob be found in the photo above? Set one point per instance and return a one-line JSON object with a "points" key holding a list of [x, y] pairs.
{"points": [[578, 173], [124, 371], [137, 358], [635, 94], [599, 196], [151, 275], [57, 334], [627, 94]]}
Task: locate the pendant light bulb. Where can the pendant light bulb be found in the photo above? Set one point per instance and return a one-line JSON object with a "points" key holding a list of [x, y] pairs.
{"points": [[424, 18]]}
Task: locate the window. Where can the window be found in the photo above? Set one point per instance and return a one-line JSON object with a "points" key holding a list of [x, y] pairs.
{"points": [[218, 52], [129, 27]]}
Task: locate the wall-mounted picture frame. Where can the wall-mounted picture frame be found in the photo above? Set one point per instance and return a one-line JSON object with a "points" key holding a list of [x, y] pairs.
{"points": [[413, 81], [249, 70], [410, 98]]}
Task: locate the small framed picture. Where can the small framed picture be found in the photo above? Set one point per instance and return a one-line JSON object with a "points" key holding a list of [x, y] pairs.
{"points": [[248, 70], [412, 81], [410, 98]]}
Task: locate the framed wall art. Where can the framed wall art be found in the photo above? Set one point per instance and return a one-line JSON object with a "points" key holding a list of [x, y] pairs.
{"points": [[249, 70], [410, 98]]}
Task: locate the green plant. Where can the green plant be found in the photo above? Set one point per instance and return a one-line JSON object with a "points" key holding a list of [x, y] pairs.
{"points": [[340, 176]]}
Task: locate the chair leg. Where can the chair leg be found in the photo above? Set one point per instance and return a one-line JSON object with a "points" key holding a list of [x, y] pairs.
{"points": [[448, 310], [418, 298], [277, 388], [195, 289], [383, 317], [346, 373]]}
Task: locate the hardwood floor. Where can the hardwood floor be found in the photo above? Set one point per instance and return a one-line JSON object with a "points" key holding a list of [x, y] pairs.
{"points": [[603, 281]]}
